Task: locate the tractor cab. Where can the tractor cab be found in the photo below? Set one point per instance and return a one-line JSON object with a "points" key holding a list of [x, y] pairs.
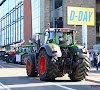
{"points": [[28, 48], [62, 37]]}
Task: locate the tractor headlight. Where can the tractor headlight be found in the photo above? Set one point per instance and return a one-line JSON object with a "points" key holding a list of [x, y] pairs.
{"points": [[85, 50], [53, 49]]}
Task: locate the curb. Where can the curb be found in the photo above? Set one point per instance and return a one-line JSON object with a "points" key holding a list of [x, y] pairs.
{"points": [[90, 80]]}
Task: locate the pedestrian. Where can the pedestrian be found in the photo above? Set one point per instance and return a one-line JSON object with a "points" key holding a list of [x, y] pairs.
{"points": [[59, 23], [99, 60], [91, 59], [96, 59]]}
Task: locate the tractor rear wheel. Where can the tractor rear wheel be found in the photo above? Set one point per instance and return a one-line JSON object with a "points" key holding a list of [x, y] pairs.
{"points": [[47, 66], [81, 70], [14, 59], [30, 67]]}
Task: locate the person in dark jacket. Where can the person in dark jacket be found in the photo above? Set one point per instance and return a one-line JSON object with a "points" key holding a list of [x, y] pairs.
{"points": [[59, 23], [96, 59]]}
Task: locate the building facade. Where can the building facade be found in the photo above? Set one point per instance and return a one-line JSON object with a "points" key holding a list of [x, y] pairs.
{"points": [[11, 22], [98, 21], [21, 19]]}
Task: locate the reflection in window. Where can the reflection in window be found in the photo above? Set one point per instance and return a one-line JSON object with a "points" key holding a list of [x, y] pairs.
{"points": [[35, 4], [64, 38], [58, 13], [11, 22]]}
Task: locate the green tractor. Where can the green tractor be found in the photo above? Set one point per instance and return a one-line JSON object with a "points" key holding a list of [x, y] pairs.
{"points": [[23, 53], [60, 55]]}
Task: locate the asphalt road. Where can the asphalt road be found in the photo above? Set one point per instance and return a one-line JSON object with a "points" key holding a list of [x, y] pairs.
{"points": [[14, 77]]}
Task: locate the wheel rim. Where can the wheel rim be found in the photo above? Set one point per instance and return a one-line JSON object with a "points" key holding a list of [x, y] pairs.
{"points": [[28, 66], [11, 60], [42, 65]]}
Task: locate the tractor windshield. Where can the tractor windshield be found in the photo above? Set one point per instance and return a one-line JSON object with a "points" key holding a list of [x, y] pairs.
{"points": [[60, 37], [19, 49], [28, 49], [64, 38]]}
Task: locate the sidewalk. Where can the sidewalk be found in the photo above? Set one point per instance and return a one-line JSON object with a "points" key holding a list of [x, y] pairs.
{"points": [[93, 75]]}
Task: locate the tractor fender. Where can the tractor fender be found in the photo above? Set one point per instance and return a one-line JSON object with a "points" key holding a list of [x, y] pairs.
{"points": [[48, 48], [32, 55], [77, 50], [33, 58]]}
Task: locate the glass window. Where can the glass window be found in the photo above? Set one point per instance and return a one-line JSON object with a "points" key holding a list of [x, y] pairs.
{"points": [[10, 24], [35, 4], [58, 14], [64, 38], [98, 22]]}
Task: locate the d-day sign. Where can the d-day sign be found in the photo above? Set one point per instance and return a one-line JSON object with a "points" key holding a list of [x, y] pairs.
{"points": [[80, 16]]}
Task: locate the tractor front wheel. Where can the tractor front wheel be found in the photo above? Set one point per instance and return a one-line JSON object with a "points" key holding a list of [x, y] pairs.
{"points": [[30, 67], [47, 66]]}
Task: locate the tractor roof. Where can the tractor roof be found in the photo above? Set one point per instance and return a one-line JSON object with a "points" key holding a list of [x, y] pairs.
{"points": [[29, 46], [60, 29]]}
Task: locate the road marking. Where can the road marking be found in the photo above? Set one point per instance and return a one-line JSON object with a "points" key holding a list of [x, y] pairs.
{"points": [[4, 86], [62, 86], [92, 81], [38, 78], [1, 66], [59, 85], [17, 71]]}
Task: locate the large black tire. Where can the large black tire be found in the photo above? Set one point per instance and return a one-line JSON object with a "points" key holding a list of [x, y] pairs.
{"points": [[47, 66], [24, 59], [9, 59], [14, 60], [81, 70], [30, 67], [60, 74]]}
